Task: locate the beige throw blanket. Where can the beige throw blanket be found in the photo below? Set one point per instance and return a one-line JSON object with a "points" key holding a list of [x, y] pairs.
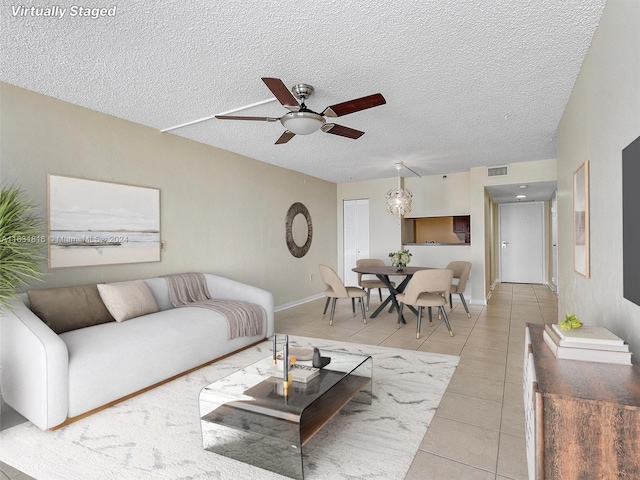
{"points": [[190, 290]]}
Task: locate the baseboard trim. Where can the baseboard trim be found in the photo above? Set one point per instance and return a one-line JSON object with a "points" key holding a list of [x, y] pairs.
{"points": [[296, 303]]}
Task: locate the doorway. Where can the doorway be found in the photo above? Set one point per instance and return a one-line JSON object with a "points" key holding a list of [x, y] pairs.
{"points": [[522, 242], [356, 237]]}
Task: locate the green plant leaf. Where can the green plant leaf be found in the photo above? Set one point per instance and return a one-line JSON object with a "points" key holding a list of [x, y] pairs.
{"points": [[22, 243]]}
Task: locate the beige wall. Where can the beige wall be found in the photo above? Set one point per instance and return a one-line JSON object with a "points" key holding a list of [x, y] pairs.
{"points": [[600, 120], [435, 195], [220, 212]]}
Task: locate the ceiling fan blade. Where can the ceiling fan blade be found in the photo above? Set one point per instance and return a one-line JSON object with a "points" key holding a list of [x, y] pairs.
{"points": [[342, 131], [285, 137], [281, 92], [257, 119], [345, 108]]}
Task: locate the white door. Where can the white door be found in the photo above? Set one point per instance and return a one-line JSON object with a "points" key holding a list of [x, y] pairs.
{"points": [[521, 242], [554, 242], [356, 237]]}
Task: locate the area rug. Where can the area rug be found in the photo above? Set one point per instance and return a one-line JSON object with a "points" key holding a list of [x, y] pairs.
{"points": [[157, 435]]}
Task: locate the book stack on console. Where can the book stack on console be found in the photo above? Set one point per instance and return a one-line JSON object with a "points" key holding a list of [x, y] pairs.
{"points": [[591, 344]]}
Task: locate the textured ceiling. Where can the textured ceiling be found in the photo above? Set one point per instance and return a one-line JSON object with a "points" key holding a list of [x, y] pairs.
{"points": [[467, 82]]}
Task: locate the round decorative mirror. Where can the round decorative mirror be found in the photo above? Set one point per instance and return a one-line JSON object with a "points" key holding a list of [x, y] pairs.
{"points": [[299, 230]]}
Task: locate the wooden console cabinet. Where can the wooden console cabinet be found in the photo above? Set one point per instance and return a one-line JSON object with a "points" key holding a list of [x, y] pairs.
{"points": [[582, 418]]}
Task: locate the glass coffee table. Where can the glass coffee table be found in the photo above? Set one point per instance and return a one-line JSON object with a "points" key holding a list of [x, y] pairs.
{"points": [[245, 416]]}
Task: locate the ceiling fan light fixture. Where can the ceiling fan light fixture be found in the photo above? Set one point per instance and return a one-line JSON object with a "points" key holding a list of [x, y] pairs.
{"points": [[302, 123]]}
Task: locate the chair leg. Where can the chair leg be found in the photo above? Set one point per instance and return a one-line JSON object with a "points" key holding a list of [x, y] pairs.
{"points": [[450, 302], [400, 307], [333, 311], [368, 297], [464, 303], [326, 305], [380, 293], [419, 321], [364, 313], [446, 320], [430, 316], [353, 305]]}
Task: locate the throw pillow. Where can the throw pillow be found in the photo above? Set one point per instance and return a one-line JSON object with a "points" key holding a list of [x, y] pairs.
{"points": [[126, 300], [69, 308]]}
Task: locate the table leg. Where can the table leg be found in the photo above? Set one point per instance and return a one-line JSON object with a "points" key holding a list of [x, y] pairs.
{"points": [[392, 296], [384, 279]]}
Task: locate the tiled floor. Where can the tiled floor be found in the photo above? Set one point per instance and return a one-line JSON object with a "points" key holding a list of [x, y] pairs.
{"points": [[478, 429]]}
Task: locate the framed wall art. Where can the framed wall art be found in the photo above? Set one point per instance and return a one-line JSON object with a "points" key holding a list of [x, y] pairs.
{"points": [[100, 223], [581, 219]]}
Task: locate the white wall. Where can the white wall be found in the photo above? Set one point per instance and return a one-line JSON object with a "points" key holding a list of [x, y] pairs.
{"points": [[220, 212], [601, 119]]}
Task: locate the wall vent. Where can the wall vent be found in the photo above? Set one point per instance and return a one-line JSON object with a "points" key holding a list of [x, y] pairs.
{"points": [[497, 171]]}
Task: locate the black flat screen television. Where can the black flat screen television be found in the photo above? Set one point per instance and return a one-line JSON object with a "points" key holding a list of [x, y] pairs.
{"points": [[631, 221]]}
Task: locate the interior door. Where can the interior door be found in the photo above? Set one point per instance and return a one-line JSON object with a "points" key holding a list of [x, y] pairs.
{"points": [[356, 237], [521, 242], [554, 242]]}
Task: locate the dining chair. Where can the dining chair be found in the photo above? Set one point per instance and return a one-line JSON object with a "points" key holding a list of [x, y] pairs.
{"points": [[371, 283], [336, 289], [461, 271], [427, 288]]}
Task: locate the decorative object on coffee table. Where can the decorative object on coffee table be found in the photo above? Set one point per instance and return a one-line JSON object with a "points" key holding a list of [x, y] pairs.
{"points": [[318, 360]]}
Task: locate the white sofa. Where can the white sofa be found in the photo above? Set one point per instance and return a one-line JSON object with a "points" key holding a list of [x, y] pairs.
{"points": [[49, 377]]}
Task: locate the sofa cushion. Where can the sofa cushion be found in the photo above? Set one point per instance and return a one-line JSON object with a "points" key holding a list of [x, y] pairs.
{"points": [[126, 300], [69, 308]]}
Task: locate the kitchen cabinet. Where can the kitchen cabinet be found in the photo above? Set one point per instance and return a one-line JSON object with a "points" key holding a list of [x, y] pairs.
{"points": [[582, 418], [462, 225]]}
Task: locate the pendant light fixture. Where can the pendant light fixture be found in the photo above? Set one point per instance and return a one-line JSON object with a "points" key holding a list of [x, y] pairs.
{"points": [[399, 199]]}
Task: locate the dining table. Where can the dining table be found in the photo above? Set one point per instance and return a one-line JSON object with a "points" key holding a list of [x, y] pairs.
{"points": [[383, 273]]}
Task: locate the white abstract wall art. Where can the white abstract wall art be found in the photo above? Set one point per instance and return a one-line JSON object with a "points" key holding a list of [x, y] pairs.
{"points": [[99, 223]]}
